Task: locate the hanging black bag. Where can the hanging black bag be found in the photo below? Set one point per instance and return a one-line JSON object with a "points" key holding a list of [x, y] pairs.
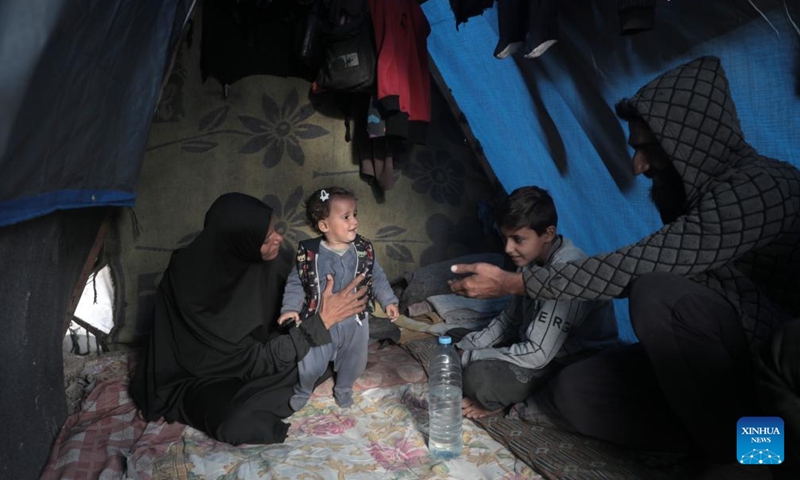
{"points": [[348, 60]]}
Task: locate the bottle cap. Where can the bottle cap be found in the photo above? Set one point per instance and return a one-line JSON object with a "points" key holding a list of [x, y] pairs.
{"points": [[445, 340]]}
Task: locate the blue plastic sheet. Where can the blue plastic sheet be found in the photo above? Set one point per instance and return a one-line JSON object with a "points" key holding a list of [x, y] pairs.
{"points": [[79, 82], [549, 121]]}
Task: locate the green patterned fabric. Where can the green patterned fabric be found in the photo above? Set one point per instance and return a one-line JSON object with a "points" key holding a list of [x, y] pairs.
{"points": [[269, 140]]}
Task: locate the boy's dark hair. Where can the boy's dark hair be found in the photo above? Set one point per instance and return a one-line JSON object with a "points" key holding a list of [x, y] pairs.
{"points": [[626, 111], [530, 207], [318, 204]]}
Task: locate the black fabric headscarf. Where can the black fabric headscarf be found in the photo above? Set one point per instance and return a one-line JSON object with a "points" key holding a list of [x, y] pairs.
{"points": [[214, 294], [219, 277]]}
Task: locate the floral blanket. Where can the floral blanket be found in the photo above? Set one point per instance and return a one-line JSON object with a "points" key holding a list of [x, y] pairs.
{"points": [[381, 436]]}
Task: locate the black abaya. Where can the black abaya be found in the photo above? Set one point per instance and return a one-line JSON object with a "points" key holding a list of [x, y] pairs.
{"points": [[203, 365]]}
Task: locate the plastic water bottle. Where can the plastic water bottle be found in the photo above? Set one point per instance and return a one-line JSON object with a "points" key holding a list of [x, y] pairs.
{"points": [[444, 401]]}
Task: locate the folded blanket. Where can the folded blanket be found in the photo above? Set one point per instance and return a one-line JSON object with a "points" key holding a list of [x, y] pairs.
{"points": [[432, 279], [456, 310]]}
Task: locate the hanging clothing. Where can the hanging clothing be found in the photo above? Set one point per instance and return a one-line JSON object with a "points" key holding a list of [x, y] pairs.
{"points": [[404, 81], [243, 38], [466, 9], [373, 149], [532, 25], [636, 16]]}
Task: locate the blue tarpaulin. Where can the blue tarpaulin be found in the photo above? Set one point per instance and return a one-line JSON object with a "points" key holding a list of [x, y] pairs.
{"points": [[549, 121], [79, 82]]}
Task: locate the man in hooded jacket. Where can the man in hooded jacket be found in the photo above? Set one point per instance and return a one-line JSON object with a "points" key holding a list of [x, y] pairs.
{"points": [[706, 291]]}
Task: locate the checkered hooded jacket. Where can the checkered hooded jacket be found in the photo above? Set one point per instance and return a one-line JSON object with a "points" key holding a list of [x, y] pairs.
{"points": [[740, 231]]}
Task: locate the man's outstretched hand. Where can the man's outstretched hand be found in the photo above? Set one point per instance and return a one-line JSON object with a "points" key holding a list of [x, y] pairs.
{"points": [[485, 281], [335, 307]]}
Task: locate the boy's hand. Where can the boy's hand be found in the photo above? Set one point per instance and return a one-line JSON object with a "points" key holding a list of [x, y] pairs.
{"points": [[288, 316], [392, 311]]}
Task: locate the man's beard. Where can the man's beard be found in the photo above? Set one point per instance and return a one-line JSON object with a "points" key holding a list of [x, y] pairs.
{"points": [[667, 194]]}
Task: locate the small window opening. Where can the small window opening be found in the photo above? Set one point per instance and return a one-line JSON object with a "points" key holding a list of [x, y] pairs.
{"points": [[94, 317]]}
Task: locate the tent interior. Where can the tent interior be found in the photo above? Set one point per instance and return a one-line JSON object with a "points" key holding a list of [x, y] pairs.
{"points": [[122, 121]]}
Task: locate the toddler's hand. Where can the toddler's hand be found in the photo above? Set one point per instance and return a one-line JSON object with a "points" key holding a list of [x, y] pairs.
{"points": [[294, 316], [392, 311]]}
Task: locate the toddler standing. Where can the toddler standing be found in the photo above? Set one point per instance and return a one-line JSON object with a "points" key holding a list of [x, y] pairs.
{"points": [[339, 254]]}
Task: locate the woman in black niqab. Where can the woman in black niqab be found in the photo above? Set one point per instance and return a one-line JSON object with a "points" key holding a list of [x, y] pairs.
{"points": [[204, 365]]}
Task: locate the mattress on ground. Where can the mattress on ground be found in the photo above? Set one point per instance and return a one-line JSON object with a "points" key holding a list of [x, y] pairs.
{"points": [[381, 436]]}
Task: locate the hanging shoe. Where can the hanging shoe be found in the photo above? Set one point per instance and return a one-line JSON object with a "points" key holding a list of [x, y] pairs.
{"points": [[538, 50], [505, 48], [511, 21], [542, 27]]}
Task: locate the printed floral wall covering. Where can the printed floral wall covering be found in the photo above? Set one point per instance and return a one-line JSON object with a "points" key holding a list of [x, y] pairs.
{"points": [[268, 140]]}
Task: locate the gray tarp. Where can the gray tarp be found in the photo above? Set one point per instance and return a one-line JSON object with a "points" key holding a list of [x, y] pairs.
{"points": [[79, 81]]}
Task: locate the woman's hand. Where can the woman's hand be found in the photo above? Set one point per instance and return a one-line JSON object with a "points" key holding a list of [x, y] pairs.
{"points": [[335, 307], [293, 316]]}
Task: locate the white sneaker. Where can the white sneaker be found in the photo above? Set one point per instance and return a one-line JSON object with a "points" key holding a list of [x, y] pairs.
{"points": [[540, 49], [503, 49]]}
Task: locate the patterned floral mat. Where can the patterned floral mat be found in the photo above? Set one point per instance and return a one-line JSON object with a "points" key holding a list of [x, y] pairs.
{"points": [[382, 436]]}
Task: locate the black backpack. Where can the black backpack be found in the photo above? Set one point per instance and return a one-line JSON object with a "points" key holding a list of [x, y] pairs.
{"points": [[345, 45]]}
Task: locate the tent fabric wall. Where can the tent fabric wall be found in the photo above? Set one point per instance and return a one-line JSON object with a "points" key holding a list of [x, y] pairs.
{"points": [[78, 87], [42, 260], [543, 121], [271, 139]]}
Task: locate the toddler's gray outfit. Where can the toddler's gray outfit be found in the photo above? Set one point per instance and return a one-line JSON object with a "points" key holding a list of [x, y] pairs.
{"points": [[350, 338]]}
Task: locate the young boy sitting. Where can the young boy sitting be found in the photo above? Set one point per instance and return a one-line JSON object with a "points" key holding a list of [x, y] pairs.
{"points": [[530, 340]]}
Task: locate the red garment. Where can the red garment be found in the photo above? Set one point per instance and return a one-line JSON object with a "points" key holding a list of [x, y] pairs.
{"points": [[401, 42]]}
